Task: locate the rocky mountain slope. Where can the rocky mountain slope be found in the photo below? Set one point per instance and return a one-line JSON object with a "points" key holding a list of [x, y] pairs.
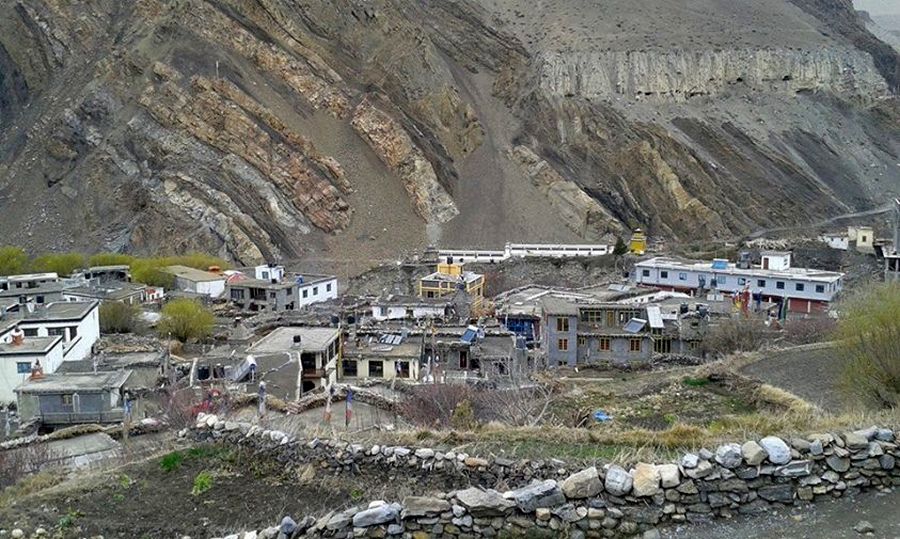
{"points": [[344, 131]]}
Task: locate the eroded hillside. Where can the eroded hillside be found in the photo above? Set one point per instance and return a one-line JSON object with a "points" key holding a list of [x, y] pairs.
{"points": [[343, 130]]}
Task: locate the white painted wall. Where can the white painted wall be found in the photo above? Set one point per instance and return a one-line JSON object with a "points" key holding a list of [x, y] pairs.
{"points": [[384, 312], [212, 289], [840, 242], [10, 378], [77, 347], [316, 292]]}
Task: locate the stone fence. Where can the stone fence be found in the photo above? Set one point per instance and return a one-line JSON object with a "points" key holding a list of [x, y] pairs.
{"points": [[537, 498]]}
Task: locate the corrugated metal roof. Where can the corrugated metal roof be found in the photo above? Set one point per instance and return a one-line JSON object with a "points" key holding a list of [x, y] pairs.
{"points": [[654, 316], [635, 325]]}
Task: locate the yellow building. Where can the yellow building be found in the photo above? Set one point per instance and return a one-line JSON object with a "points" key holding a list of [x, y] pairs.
{"points": [[446, 280], [638, 243]]}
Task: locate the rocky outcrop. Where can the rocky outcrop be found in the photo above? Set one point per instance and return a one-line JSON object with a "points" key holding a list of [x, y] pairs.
{"points": [[683, 74], [396, 149], [581, 213]]}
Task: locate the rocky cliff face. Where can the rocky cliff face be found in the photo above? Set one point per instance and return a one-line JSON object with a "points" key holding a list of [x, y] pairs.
{"points": [[346, 130]]}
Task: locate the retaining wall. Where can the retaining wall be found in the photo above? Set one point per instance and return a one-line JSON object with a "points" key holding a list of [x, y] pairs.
{"points": [[510, 498]]}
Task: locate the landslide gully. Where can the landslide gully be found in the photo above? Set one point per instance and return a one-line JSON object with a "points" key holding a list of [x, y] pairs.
{"points": [[154, 126]]}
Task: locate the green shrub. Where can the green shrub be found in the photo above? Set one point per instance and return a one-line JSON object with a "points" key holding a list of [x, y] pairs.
{"points": [[695, 382], [110, 259], [13, 260], [185, 319], [117, 317], [202, 483], [61, 263], [171, 461], [870, 341]]}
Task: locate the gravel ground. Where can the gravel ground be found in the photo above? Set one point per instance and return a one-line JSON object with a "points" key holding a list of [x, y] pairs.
{"points": [[810, 372], [827, 520]]}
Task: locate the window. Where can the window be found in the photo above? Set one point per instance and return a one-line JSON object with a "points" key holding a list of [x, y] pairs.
{"points": [[664, 275], [799, 287], [265, 275], [376, 368], [23, 367], [315, 290], [635, 345], [603, 345], [463, 359], [40, 299], [562, 324], [682, 276], [820, 288], [779, 285], [563, 345], [402, 369], [272, 295], [429, 294], [742, 281], [73, 332], [761, 283], [721, 279], [328, 287], [582, 341], [662, 346], [306, 293], [53, 332], [67, 400], [30, 332], [237, 294], [348, 367], [593, 316], [645, 273]]}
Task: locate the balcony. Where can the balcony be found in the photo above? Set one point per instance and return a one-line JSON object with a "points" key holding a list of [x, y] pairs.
{"points": [[116, 415]]}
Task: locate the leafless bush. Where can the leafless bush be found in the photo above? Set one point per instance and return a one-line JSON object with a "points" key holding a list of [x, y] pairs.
{"points": [[178, 408], [17, 463], [810, 330], [737, 335], [516, 402]]}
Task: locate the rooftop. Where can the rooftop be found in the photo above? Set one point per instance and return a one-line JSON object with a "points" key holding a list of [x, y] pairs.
{"points": [[260, 283], [409, 348], [313, 339], [400, 300], [71, 383], [467, 276], [31, 276], [61, 310], [732, 269], [109, 290], [558, 306], [31, 345], [193, 274], [41, 288]]}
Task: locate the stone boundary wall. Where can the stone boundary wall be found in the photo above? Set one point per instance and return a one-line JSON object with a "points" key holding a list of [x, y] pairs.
{"points": [[509, 498]]}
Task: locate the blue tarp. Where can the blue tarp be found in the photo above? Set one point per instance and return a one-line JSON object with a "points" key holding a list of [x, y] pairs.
{"points": [[601, 417]]}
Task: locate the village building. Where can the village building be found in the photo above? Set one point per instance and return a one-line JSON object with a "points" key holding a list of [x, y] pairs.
{"points": [[395, 307], [59, 400], [892, 252], [470, 353], [36, 292], [804, 290], [194, 281], [448, 279], [271, 289], [102, 274], [522, 250], [19, 355], [114, 291], [78, 323], [295, 360], [862, 237], [27, 281], [381, 356]]}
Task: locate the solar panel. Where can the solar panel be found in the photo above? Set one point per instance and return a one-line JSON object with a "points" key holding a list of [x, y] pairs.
{"points": [[469, 336], [635, 325]]}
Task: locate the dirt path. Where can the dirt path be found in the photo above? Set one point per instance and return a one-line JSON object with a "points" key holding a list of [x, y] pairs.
{"points": [[824, 520], [810, 372]]}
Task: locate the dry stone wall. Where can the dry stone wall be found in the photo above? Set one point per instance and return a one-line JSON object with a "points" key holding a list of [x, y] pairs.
{"points": [[547, 498]]}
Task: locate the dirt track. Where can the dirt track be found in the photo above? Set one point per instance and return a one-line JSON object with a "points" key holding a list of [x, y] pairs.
{"points": [[825, 520]]}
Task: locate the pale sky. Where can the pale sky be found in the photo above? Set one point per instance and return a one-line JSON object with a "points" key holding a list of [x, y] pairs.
{"points": [[879, 7]]}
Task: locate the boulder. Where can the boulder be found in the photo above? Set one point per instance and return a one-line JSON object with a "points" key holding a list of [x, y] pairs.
{"points": [[703, 469], [341, 520], [796, 468], [777, 493], [583, 484], [777, 449], [287, 526], [539, 494], [815, 448], [885, 435], [729, 455], [753, 453], [690, 460], [646, 480], [669, 475], [618, 482], [484, 503], [423, 506], [424, 453], [376, 515], [864, 527], [856, 440], [838, 464]]}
